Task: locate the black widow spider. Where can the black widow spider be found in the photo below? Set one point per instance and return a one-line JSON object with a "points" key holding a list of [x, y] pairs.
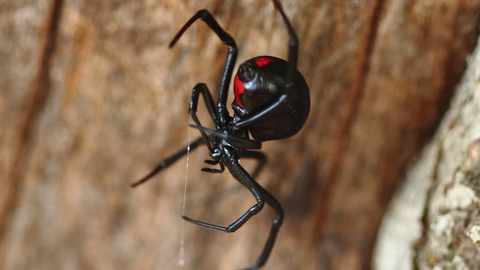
{"points": [[271, 102]]}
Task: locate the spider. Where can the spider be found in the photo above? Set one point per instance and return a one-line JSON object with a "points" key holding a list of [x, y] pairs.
{"points": [[272, 102]]}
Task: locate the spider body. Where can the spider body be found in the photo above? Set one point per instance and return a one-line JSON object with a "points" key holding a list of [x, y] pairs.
{"points": [[260, 82], [271, 102]]}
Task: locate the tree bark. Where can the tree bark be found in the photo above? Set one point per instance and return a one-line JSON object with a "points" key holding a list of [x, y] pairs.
{"points": [[433, 221], [92, 99]]}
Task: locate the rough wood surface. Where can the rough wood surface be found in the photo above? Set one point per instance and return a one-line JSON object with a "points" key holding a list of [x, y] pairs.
{"points": [[91, 99], [433, 221]]}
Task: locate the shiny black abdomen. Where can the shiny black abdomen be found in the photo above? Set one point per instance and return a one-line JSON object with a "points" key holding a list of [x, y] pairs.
{"points": [[259, 83]]}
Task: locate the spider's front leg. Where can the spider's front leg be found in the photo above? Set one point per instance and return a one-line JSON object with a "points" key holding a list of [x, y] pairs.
{"points": [[205, 16], [202, 88]]}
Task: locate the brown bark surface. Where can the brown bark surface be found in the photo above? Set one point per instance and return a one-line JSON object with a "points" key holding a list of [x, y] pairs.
{"points": [[433, 221], [91, 99]]}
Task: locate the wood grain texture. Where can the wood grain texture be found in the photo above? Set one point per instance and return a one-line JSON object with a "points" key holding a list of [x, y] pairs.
{"points": [[92, 99]]}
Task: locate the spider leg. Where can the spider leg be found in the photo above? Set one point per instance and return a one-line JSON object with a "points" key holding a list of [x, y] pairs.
{"points": [[205, 16], [262, 197], [293, 42], [202, 88], [272, 236], [233, 140], [242, 176], [169, 161], [272, 202], [252, 119]]}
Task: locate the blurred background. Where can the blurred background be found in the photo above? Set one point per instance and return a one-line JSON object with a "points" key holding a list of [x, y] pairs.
{"points": [[92, 99]]}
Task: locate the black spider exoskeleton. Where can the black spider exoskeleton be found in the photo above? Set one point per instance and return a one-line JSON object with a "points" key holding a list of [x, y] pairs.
{"points": [[272, 102]]}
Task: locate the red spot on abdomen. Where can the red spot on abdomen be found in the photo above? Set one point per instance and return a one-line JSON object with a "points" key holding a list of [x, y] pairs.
{"points": [[238, 89], [262, 61]]}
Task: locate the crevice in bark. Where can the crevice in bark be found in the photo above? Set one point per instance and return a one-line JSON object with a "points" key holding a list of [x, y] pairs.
{"points": [[424, 219], [358, 91], [33, 109]]}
